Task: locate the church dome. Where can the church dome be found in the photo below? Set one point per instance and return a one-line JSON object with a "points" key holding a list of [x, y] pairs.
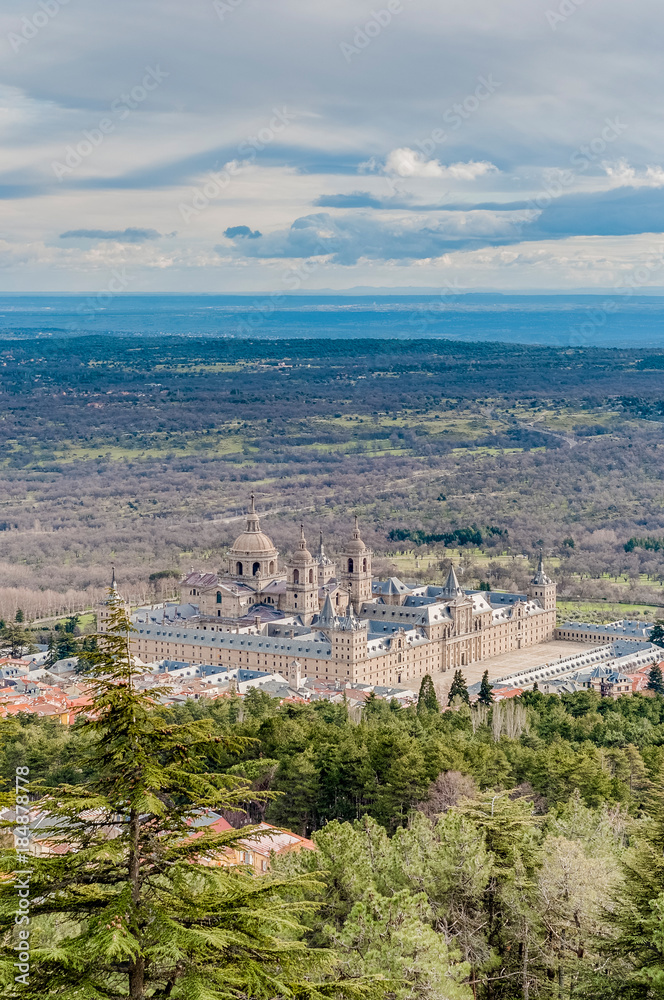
{"points": [[253, 541], [355, 546]]}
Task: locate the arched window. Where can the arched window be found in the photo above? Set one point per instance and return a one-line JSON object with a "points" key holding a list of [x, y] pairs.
{"points": [[218, 597], [364, 565], [399, 658], [238, 569], [311, 576], [296, 576], [256, 568], [272, 567], [350, 565]]}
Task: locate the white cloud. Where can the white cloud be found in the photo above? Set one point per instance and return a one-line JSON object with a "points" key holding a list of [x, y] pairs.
{"points": [[621, 174], [406, 162]]}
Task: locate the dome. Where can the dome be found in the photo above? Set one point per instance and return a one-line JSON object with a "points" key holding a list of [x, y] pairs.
{"points": [[355, 546], [302, 556], [253, 541]]}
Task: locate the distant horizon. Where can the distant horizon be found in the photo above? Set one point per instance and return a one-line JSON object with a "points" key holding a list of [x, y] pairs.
{"points": [[356, 291]]}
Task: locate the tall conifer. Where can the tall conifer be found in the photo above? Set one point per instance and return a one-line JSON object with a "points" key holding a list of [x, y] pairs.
{"points": [[458, 688], [128, 909]]}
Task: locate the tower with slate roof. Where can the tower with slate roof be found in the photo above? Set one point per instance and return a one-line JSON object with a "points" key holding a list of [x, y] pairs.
{"points": [[542, 588]]}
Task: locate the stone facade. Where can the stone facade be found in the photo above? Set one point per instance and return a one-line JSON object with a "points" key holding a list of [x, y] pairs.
{"points": [[340, 626]]}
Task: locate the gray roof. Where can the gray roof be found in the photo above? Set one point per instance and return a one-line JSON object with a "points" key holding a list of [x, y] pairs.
{"points": [[392, 586], [305, 646], [625, 627], [326, 616], [540, 578], [452, 588]]}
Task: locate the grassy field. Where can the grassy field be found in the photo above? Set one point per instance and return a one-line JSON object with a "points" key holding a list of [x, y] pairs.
{"points": [[600, 612]]}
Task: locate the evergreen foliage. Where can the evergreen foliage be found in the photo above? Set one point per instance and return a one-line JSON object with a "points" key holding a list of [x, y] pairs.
{"points": [[15, 640], [657, 632], [486, 690], [140, 914], [460, 859], [427, 700], [655, 679], [458, 689]]}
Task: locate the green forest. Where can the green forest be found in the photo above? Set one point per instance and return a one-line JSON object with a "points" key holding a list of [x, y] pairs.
{"points": [[513, 850]]}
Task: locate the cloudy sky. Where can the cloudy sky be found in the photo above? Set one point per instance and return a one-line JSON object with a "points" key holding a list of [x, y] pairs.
{"points": [[279, 145]]}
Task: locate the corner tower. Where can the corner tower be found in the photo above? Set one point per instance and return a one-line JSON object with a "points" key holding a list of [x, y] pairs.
{"points": [[542, 588]]}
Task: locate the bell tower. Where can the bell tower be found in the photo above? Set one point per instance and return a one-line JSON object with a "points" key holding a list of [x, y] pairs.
{"points": [[356, 569], [302, 582]]}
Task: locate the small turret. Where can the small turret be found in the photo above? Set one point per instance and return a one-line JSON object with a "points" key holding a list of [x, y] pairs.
{"points": [[452, 588]]}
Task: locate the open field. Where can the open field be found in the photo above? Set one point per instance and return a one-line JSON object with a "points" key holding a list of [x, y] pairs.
{"points": [[140, 452]]}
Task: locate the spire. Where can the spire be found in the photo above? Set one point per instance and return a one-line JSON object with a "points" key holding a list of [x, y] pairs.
{"points": [[321, 557], [356, 528], [326, 617], [253, 523], [303, 541], [452, 587], [113, 583], [540, 578]]}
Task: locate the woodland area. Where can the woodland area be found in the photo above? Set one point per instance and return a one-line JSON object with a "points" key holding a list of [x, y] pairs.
{"points": [[504, 851], [141, 451]]}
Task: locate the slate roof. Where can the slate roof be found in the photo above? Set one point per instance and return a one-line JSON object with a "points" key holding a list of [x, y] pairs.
{"points": [[311, 647], [200, 580], [393, 586]]}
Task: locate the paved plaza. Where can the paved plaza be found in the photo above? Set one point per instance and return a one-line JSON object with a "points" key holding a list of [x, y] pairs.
{"points": [[509, 663]]}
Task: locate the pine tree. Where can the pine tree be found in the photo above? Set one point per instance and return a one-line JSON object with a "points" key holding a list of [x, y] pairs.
{"points": [[15, 641], [134, 913], [486, 690], [52, 652], [458, 688], [638, 912], [655, 679], [19, 616], [657, 632], [427, 700]]}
